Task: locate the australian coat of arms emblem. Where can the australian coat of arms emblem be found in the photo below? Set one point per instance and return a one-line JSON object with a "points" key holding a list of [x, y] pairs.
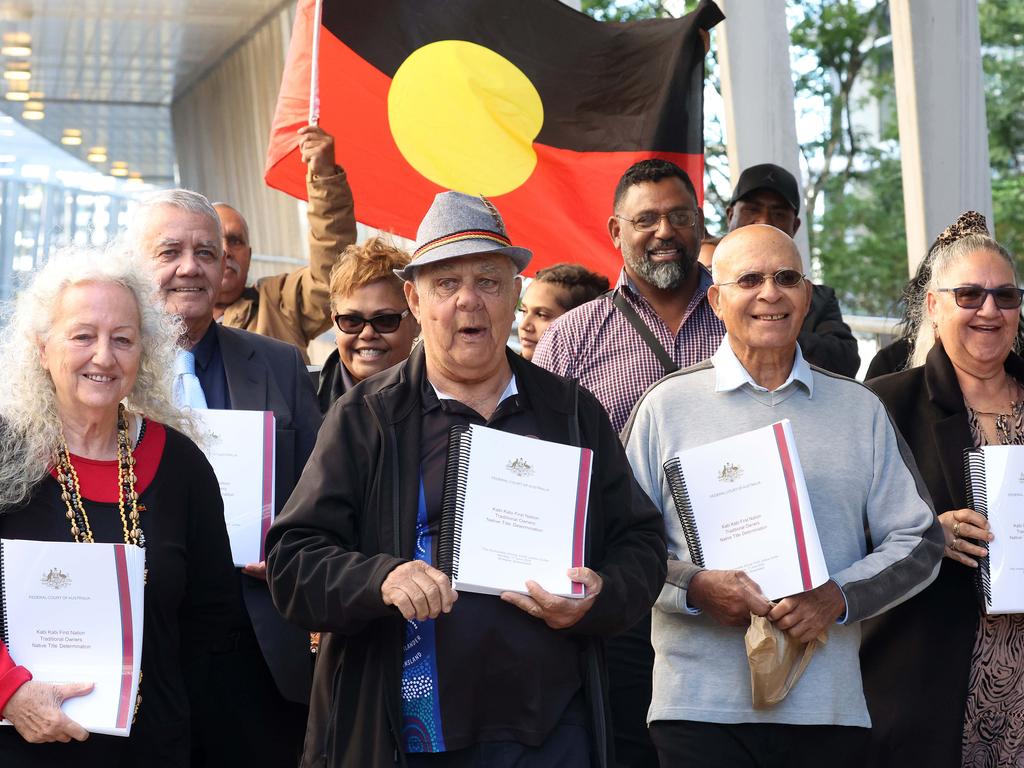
{"points": [[520, 467], [55, 579], [730, 473]]}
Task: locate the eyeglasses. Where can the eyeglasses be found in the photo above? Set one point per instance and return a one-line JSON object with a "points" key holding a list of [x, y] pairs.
{"points": [[648, 222], [386, 323], [974, 296], [784, 278]]}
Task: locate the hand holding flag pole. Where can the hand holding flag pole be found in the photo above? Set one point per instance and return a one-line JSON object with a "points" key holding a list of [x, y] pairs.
{"points": [[314, 70]]}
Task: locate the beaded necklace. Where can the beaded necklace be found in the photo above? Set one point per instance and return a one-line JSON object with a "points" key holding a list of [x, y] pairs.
{"points": [[71, 493]]}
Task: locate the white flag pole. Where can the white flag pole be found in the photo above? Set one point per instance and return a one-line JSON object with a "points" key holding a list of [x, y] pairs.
{"points": [[314, 70]]}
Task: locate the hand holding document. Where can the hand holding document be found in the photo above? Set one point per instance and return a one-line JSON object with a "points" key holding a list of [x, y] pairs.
{"points": [[240, 447], [74, 613], [743, 506], [995, 489], [514, 510]]}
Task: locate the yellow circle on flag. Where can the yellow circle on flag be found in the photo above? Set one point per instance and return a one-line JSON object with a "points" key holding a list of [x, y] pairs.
{"points": [[465, 117]]}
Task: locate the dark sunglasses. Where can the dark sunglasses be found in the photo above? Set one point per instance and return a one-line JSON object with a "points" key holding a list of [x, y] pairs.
{"points": [[387, 323], [974, 296], [784, 278]]}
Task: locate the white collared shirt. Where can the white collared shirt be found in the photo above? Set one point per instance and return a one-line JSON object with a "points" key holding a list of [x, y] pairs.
{"points": [[510, 390], [730, 373]]}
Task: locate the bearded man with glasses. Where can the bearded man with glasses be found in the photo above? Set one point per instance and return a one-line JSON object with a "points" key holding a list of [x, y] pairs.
{"points": [[878, 533], [656, 321]]}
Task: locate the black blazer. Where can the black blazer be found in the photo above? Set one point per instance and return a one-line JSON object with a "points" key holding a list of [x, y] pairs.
{"points": [[916, 657], [265, 374], [825, 339]]}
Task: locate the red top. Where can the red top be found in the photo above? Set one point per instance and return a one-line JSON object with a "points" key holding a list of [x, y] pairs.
{"points": [[98, 482], [11, 677], [98, 479]]}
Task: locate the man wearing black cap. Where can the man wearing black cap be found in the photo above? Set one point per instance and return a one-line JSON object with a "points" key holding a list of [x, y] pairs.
{"points": [[768, 194]]}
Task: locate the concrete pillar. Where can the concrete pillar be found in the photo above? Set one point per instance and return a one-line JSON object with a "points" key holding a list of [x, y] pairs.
{"points": [[757, 87], [936, 48]]}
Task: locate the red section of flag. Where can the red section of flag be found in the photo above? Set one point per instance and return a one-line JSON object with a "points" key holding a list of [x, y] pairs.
{"points": [[794, 505], [560, 212]]}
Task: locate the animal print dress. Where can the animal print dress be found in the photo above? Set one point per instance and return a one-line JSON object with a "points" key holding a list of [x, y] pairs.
{"points": [[994, 717]]}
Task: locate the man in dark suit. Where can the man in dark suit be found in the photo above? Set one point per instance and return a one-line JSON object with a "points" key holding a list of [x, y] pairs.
{"points": [[259, 687]]}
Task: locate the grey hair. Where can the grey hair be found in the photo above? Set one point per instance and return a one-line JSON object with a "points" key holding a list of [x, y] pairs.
{"points": [[30, 425], [943, 258], [183, 199]]}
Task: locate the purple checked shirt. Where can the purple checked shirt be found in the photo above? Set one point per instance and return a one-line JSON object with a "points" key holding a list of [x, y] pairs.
{"points": [[596, 345]]}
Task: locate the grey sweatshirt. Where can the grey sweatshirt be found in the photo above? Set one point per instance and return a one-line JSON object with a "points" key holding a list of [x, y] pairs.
{"points": [[881, 540]]}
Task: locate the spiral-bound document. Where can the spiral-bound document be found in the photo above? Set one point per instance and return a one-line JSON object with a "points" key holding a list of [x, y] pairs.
{"points": [[240, 448], [995, 488], [743, 505], [72, 613], [514, 508]]}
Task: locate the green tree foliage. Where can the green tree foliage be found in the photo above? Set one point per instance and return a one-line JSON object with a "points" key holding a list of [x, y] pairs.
{"points": [[1002, 39], [853, 206], [853, 193]]}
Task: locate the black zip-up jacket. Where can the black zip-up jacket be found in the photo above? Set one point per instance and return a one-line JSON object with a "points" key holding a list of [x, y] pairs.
{"points": [[352, 518]]}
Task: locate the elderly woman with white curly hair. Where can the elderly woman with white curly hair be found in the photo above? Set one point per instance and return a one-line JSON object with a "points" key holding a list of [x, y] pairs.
{"points": [[85, 398]]}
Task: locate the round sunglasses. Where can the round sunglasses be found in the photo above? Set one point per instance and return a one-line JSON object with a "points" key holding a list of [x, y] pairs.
{"points": [[383, 323], [784, 278]]}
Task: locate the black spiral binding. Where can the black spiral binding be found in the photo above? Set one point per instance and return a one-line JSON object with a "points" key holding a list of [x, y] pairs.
{"points": [[977, 499], [3, 600], [681, 498], [453, 500]]}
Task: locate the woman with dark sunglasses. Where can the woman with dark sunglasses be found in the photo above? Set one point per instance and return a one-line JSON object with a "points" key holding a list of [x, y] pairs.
{"points": [[375, 329], [944, 682]]}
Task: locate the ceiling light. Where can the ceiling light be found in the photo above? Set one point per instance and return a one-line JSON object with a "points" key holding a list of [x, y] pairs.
{"points": [[17, 70], [119, 164], [72, 132], [7, 158], [33, 114], [17, 96], [34, 105], [118, 171], [17, 38], [71, 141], [97, 155], [16, 50]]}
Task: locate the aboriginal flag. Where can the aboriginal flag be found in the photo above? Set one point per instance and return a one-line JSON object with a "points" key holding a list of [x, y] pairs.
{"points": [[537, 106]]}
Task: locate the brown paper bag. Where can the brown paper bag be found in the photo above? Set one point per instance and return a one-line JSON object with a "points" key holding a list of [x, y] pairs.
{"points": [[776, 660]]}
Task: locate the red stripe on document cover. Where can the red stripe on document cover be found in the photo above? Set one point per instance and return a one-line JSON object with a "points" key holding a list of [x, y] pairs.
{"points": [[124, 703], [579, 528], [794, 505], [268, 480]]}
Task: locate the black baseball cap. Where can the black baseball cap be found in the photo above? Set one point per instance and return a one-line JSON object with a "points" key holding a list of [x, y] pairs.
{"points": [[768, 176]]}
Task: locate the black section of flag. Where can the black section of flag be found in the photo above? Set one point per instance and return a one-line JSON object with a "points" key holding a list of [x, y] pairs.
{"points": [[605, 86]]}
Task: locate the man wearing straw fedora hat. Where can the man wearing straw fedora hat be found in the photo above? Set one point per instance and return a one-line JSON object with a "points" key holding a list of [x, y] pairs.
{"points": [[410, 672]]}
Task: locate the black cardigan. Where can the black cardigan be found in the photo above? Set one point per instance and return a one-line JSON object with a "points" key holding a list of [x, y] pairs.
{"points": [[916, 657]]}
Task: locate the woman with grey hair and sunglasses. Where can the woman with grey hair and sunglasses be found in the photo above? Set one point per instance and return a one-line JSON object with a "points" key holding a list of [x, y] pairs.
{"points": [[944, 682], [92, 450]]}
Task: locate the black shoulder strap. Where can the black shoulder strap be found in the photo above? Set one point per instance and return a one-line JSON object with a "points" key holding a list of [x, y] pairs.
{"points": [[646, 334]]}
